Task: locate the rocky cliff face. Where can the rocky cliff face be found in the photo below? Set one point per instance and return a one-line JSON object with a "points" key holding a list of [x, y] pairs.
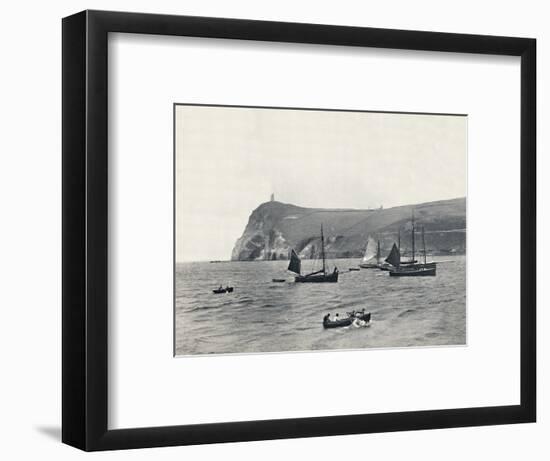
{"points": [[263, 236], [274, 228]]}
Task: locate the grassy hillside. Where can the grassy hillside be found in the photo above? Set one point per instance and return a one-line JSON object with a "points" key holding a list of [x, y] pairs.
{"points": [[274, 227]]}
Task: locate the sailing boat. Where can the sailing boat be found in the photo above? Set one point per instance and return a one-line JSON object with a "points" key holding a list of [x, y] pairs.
{"points": [[402, 260], [371, 260], [411, 269], [320, 276]]}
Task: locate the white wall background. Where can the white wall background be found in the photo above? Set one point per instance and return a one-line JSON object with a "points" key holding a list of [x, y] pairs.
{"points": [[30, 207]]}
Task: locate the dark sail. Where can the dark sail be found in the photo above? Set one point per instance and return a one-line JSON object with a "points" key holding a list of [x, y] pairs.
{"points": [[394, 258], [295, 264]]}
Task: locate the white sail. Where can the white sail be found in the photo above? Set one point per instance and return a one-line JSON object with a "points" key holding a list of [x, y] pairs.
{"points": [[370, 250]]}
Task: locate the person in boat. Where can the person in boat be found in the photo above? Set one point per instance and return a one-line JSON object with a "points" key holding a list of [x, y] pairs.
{"points": [[336, 318], [356, 314], [326, 318]]}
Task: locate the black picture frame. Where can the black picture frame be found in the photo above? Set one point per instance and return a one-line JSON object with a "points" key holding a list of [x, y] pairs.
{"points": [[85, 219]]}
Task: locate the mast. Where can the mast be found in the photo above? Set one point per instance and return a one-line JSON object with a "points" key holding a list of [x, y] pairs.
{"points": [[412, 236], [323, 249], [378, 252], [424, 244], [399, 241]]}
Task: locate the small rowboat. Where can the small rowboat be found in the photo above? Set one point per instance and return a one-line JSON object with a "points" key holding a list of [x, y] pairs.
{"points": [[278, 280], [353, 269], [220, 290], [347, 321]]}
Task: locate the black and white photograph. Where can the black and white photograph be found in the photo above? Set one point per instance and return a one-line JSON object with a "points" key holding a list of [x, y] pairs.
{"points": [[318, 229], [265, 231]]}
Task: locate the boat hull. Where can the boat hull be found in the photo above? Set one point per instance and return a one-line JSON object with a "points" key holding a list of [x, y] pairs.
{"points": [[414, 272], [347, 321], [430, 265], [409, 262], [368, 266], [320, 278]]}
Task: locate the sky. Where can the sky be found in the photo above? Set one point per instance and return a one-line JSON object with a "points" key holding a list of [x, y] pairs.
{"points": [[229, 160]]}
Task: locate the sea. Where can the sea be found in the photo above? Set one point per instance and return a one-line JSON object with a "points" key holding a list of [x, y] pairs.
{"points": [[265, 316]]}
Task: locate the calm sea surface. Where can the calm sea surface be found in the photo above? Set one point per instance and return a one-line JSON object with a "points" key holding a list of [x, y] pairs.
{"points": [[263, 316]]}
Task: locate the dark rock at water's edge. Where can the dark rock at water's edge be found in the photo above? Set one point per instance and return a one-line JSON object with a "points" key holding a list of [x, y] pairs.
{"points": [[274, 228]]}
